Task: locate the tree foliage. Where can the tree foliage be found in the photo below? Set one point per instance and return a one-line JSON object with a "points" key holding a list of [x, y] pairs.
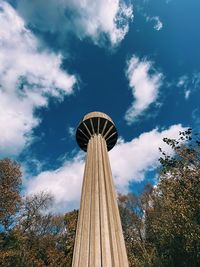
{"points": [[71, 219], [165, 220], [29, 234], [175, 214], [38, 239], [10, 185]]}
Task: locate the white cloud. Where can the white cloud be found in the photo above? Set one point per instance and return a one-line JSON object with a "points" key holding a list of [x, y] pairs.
{"points": [[189, 83], [196, 120], [28, 76], [85, 18], [183, 80], [158, 25], [63, 183], [187, 94], [144, 85], [139, 156], [71, 131]]}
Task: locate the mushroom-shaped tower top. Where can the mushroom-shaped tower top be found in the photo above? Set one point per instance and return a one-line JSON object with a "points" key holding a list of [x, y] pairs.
{"points": [[96, 123]]}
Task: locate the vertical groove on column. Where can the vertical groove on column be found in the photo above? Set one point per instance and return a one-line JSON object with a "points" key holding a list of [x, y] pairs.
{"points": [[99, 195], [112, 200], [123, 260], [95, 249], [85, 238], [77, 245], [105, 237], [98, 215], [113, 238], [92, 231]]}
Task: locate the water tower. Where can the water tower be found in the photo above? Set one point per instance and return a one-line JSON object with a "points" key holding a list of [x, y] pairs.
{"points": [[99, 239]]}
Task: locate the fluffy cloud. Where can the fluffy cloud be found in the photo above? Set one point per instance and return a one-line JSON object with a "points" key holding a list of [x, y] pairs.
{"points": [[144, 82], [63, 183], [28, 77], [139, 156], [85, 18]]}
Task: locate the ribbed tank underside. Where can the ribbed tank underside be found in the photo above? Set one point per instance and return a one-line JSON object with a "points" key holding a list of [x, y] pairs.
{"points": [[99, 239], [96, 123]]}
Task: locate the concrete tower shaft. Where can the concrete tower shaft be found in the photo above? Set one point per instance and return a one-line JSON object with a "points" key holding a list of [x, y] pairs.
{"points": [[99, 239]]}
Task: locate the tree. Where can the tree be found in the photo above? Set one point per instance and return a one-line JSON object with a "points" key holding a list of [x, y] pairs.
{"points": [[71, 219], [132, 211], [162, 225], [10, 186], [38, 238], [173, 219]]}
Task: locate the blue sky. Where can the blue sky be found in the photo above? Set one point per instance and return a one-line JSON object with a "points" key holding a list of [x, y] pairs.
{"points": [[138, 61]]}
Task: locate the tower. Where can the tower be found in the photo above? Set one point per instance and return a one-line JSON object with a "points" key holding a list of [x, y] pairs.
{"points": [[99, 239]]}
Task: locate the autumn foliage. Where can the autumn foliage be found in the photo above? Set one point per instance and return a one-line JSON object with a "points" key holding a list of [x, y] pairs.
{"points": [[162, 225], [10, 185]]}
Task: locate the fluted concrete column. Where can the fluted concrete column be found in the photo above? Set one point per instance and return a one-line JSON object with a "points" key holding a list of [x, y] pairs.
{"points": [[99, 239]]}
